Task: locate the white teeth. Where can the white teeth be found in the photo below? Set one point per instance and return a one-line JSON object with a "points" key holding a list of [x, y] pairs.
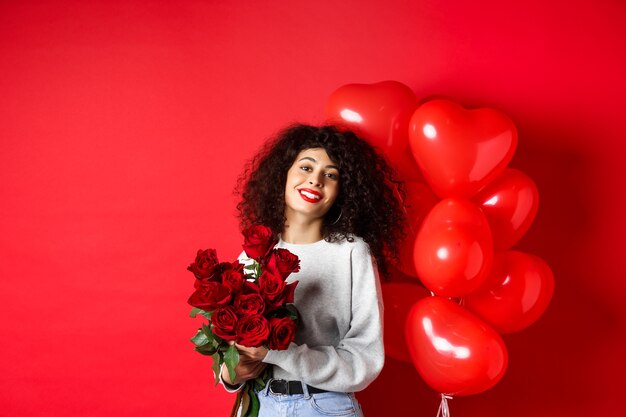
{"points": [[317, 197]]}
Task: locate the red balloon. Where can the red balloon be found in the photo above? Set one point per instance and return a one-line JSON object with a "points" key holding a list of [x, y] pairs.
{"points": [[510, 204], [398, 299], [454, 352], [460, 151], [454, 249], [380, 113], [418, 202], [517, 292]]}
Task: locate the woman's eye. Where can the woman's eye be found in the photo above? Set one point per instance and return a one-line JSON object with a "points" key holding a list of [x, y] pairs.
{"points": [[332, 176], [305, 168]]}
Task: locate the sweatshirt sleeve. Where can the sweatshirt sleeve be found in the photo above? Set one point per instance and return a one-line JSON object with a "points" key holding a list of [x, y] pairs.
{"points": [[228, 387], [359, 357]]}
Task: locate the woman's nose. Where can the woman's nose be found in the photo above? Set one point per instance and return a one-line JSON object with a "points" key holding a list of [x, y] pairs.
{"points": [[314, 180]]}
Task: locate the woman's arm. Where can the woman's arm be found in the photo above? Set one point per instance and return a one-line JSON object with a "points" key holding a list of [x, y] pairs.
{"points": [[359, 357]]}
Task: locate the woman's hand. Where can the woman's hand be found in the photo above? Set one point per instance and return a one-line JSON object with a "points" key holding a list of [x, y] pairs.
{"points": [[250, 364], [257, 353]]}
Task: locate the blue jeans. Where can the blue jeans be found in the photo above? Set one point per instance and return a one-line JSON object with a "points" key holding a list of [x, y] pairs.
{"points": [[338, 404]]}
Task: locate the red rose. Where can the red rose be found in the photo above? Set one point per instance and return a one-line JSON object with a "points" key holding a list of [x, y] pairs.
{"points": [[237, 266], [205, 262], [249, 304], [210, 295], [258, 240], [224, 320], [250, 287], [216, 274], [282, 333], [289, 291], [283, 261], [233, 279], [272, 288], [221, 269], [252, 331]]}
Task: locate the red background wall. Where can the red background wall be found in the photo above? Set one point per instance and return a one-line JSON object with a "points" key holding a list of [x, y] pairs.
{"points": [[124, 124]]}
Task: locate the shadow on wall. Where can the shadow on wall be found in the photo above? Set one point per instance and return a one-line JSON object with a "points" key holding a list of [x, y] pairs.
{"points": [[547, 369]]}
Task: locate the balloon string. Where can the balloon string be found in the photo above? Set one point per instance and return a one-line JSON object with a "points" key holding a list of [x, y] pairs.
{"points": [[444, 411]]}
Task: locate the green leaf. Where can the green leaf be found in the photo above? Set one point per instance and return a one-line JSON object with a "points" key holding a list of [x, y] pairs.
{"points": [[195, 311], [207, 350], [207, 332], [217, 362], [253, 411], [261, 380], [200, 339], [216, 342], [231, 358], [215, 339], [292, 312]]}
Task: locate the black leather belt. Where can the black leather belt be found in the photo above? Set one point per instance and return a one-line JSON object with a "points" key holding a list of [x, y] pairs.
{"points": [[281, 386]]}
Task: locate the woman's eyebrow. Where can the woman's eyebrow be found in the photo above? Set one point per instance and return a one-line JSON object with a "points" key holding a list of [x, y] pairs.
{"points": [[312, 159]]}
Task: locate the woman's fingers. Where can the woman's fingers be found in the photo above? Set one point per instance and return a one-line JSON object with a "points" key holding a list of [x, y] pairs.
{"points": [[242, 348], [256, 353], [245, 373]]}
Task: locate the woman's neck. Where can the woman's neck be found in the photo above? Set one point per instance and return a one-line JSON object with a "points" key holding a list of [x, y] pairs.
{"points": [[302, 232]]}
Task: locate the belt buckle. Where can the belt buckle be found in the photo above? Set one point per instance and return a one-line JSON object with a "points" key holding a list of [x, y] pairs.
{"points": [[280, 384]]}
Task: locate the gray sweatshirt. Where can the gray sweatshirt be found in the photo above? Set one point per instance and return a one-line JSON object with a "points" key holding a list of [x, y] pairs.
{"points": [[339, 342]]}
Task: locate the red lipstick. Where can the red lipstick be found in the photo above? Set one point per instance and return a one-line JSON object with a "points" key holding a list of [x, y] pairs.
{"points": [[312, 197]]}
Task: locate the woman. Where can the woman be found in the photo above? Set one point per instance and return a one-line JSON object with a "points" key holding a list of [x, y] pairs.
{"points": [[329, 198]]}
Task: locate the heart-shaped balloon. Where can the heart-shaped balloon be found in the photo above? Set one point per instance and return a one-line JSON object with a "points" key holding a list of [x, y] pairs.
{"points": [[379, 113], [517, 292], [454, 351], [399, 297], [418, 201], [454, 249], [510, 204], [460, 151]]}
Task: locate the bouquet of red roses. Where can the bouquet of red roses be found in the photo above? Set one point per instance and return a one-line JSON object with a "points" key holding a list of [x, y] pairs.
{"points": [[249, 303]]}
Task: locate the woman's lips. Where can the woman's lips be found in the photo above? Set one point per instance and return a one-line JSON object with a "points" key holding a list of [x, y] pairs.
{"points": [[309, 195]]}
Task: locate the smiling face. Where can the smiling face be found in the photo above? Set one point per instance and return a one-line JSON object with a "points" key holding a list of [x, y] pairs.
{"points": [[312, 184]]}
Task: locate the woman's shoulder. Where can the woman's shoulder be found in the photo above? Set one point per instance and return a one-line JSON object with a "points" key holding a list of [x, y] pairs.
{"points": [[351, 241], [357, 250]]}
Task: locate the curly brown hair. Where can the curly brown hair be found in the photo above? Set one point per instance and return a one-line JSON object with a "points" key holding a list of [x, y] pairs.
{"points": [[367, 204]]}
